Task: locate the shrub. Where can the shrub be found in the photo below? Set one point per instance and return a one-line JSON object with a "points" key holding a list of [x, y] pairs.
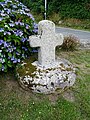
{"points": [[36, 6], [79, 9], [70, 43], [16, 25]]}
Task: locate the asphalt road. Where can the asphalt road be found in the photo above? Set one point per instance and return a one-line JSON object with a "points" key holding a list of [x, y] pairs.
{"points": [[84, 36]]}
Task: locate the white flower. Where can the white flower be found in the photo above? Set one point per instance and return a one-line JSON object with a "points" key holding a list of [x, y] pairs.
{"points": [[0, 51]]}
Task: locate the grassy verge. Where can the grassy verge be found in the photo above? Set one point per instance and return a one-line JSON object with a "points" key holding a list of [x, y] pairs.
{"points": [[73, 104], [83, 24], [76, 24]]}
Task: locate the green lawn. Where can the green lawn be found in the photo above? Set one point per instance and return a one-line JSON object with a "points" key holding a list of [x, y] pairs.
{"points": [[73, 104]]}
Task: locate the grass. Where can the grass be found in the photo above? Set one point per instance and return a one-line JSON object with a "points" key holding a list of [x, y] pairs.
{"points": [[73, 104], [76, 23], [81, 24]]}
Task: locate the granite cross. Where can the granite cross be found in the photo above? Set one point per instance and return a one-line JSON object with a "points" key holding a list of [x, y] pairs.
{"points": [[46, 40]]}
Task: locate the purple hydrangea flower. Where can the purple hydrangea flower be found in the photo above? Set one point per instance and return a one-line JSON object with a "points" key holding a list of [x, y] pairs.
{"points": [[23, 56], [24, 39], [14, 27], [1, 29], [35, 30], [11, 24], [14, 48], [3, 68], [34, 51], [17, 53], [0, 60], [19, 23], [18, 33], [13, 58], [1, 18], [18, 60], [24, 48], [27, 26], [14, 6], [16, 23], [9, 58], [9, 50], [15, 61], [7, 33], [5, 44], [1, 42], [30, 15], [2, 4], [7, 10], [35, 25], [2, 14], [22, 24]]}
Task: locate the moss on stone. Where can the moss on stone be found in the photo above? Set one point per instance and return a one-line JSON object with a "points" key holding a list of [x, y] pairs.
{"points": [[59, 90], [69, 69], [27, 68]]}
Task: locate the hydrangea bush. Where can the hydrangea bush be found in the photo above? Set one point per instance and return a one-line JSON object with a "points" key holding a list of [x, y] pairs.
{"points": [[16, 25]]}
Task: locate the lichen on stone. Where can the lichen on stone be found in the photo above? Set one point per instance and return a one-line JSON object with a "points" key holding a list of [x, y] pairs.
{"points": [[45, 79]]}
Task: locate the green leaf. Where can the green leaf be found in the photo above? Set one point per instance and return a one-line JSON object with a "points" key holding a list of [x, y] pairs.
{"points": [[9, 54], [9, 64], [18, 50], [0, 65], [3, 60], [0, 54], [5, 38], [8, 40]]}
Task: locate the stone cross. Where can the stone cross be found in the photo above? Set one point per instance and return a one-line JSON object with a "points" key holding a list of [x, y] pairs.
{"points": [[46, 40]]}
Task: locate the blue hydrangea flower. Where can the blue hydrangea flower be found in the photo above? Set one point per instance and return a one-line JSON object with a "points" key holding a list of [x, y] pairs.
{"points": [[14, 32], [1, 29], [24, 39], [3, 68], [11, 24], [1, 42], [1, 18]]}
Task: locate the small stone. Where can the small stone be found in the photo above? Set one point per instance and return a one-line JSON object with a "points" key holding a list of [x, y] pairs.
{"points": [[26, 71], [33, 103], [23, 64], [60, 22]]}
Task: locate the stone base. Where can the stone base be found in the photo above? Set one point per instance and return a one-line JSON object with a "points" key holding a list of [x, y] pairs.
{"points": [[46, 79]]}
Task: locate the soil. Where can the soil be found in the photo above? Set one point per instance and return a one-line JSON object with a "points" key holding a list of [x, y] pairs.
{"points": [[9, 86]]}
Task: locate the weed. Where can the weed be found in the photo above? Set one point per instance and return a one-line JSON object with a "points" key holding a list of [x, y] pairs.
{"points": [[70, 43]]}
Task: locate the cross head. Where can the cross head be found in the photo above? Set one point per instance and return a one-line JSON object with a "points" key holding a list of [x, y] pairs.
{"points": [[46, 41]]}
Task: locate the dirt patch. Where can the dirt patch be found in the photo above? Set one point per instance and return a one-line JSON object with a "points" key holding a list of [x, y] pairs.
{"points": [[53, 98], [10, 87], [69, 95]]}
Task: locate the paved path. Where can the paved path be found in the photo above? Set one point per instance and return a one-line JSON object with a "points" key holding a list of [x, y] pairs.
{"points": [[84, 36]]}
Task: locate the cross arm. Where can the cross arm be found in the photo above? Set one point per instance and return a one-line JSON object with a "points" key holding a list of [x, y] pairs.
{"points": [[59, 39], [34, 41]]}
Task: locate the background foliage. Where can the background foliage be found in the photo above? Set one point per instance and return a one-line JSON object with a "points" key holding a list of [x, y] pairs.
{"points": [[79, 9]]}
